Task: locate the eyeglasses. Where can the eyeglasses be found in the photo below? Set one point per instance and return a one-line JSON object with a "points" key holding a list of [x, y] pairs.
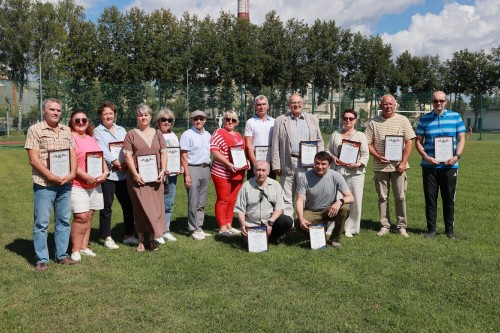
{"points": [[295, 103], [349, 119], [80, 120], [199, 118], [164, 120], [439, 101], [229, 120]]}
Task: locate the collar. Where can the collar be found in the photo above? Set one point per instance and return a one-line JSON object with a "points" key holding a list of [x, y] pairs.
{"points": [[445, 112], [257, 117], [46, 126], [301, 115], [196, 131], [254, 184]]}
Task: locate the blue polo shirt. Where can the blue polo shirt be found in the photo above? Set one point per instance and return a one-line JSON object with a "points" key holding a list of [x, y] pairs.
{"points": [[432, 125], [197, 144]]}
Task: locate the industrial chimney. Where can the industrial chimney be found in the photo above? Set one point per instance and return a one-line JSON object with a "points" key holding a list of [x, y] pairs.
{"points": [[244, 9]]}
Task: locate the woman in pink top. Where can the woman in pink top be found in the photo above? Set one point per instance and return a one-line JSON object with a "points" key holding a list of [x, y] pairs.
{"points": [[227, 180], [86, 193]]}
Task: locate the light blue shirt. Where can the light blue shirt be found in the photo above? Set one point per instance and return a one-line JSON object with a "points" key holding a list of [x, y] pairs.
{"points": [[103, 137], [197, 144]]}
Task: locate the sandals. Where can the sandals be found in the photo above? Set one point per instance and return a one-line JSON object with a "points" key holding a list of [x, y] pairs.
{"points": [[140, 247], [153, 246]]}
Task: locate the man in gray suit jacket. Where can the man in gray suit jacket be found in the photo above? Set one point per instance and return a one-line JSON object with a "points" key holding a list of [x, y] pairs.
{"points": [[289, 130]]}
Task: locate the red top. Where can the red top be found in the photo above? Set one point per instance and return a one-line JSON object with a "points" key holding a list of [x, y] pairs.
{"points": [[221, 141]]}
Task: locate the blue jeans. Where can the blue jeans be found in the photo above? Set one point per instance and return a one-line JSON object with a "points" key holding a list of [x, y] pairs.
{"points": [[46, 198], [169, 200]]}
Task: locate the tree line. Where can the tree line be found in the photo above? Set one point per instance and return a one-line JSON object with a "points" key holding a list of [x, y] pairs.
{"points": [[129, 57]]}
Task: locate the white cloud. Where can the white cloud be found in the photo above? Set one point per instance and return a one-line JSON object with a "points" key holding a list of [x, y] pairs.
{"points": [[455, 28]]}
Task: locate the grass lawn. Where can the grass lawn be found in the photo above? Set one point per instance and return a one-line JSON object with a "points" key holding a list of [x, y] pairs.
{"points": [[373, 284]]}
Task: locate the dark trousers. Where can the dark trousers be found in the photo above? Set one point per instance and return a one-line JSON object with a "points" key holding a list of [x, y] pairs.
{"points": [[110, 188], [282, 224], [444, 180]]}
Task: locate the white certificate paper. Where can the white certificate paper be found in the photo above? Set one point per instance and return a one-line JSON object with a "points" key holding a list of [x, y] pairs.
{"points": [[443, 148], [394, 145], [148, 168], [59, 163], [174, 160], [349, 152], [308, 150], [93, 163], [257, 239], [239, 158], [317, 236], [263, 153], [116, 149]]}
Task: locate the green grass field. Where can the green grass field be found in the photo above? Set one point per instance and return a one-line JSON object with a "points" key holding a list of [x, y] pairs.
{"points": [[373, 284]]}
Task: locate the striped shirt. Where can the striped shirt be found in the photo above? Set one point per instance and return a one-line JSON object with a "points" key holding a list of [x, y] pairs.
{"points": [[43, 138], [300, 132], [221, 141], [432, 125], [375, 134]]}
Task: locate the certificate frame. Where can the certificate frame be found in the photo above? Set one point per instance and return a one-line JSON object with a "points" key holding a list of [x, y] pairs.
{"points": [[147, 166], [174, 160], [93, 163], [393, 148], [443, 148], [349, 152], [116, 149], [238, 157], [308, 149], [58, 162], [257, 239], [317, 236], [262, 153]]}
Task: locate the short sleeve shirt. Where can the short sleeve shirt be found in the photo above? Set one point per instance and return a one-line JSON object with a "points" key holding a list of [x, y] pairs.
{"points": [[197, 144], [43, 138], [320, 192], [260, 131]]}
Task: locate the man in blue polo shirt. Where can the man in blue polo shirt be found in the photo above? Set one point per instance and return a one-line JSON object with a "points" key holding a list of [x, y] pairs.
{"points": [[440, 176]]}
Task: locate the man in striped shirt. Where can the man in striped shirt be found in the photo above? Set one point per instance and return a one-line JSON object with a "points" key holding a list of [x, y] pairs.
{"points": [[440, 176], [390, 173]]}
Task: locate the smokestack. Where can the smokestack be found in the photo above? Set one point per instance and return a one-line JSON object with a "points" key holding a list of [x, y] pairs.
{"points": [[244, 9]]}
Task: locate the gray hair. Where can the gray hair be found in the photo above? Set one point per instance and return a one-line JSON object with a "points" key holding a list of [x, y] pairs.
{"points": [[258, 98], [141, 108], [50, 100]]}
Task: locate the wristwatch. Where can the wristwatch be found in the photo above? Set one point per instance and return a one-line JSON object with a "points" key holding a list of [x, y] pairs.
{"points": [[342, 200], [270, 223], [458, 156]]}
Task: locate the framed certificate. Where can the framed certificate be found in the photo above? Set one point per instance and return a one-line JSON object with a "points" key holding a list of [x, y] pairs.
{"points": [[174, 160], [308, 150], [349, 152], [93, 163], [393, 150], [238, 157], [257, 239], [116, 149], [443, 148], [59, 163], [263, 153], [147, 168], [317, 236]]}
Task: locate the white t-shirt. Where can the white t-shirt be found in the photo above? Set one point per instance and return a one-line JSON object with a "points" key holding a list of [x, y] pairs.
{"points": [[262, 132]]}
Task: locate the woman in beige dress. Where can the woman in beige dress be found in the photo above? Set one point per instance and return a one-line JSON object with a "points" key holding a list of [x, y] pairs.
{"points": [[146, 197]]}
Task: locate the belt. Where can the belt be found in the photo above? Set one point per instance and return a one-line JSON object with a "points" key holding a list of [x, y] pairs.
{"points": [[203, 165], [295, 155]]}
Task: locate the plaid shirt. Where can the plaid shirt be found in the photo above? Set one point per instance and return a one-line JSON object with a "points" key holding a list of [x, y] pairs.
{"points": [[42, 138], [300, 132]]}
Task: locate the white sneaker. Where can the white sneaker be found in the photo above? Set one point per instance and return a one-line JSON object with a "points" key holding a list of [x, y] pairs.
{"points": [[205, 234], [110, 244], [348, 234], [169, 237], [160, 240], [131, 241], [235, 231], [383, 231], [403, 233], [76, 256], [197, 235], [88, 252]]}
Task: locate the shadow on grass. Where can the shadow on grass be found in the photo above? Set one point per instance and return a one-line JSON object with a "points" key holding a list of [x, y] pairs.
{"points": [[371, 225], [24, 248]]}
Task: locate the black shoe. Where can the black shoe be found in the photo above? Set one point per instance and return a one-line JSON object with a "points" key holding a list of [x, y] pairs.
{"points": [[430, 234], [451, 235]]}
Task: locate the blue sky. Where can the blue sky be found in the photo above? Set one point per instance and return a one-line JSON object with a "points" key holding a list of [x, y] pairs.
{"points": [[420, 26]]}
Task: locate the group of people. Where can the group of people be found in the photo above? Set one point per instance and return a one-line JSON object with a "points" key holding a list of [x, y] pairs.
{"points": [[324, 190]]}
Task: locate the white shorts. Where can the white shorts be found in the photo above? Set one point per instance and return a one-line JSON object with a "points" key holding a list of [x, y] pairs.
{"points": [[83, 200]]}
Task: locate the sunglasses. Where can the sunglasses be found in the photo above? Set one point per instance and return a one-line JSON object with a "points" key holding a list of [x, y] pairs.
{"points": [[234, 121], [199, 118], [349, 118], [439, 101], [80, 120], [164, 120]]}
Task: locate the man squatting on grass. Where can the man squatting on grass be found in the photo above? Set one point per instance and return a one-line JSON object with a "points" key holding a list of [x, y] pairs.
{"points": [[317, 197], [260, 202], [50, 191], [439, 176]]}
